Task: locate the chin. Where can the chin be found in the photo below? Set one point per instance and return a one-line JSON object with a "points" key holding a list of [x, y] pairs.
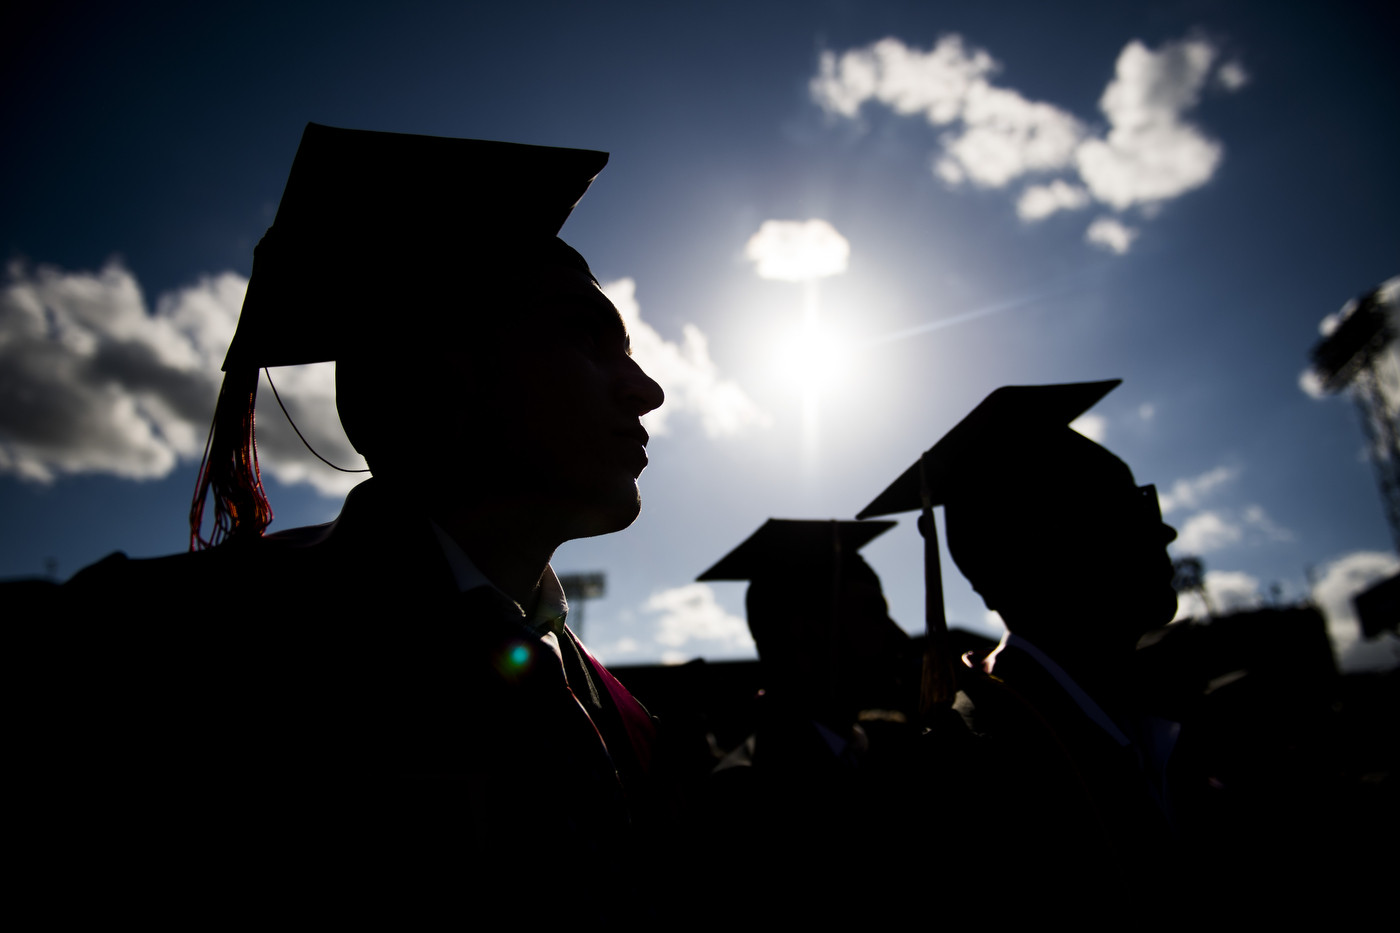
{"points": [[605, 515], [623, 516], [1169, 607]]}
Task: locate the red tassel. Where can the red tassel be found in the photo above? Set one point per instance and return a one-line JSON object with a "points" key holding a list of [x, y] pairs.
{"points": [[230, 468]]}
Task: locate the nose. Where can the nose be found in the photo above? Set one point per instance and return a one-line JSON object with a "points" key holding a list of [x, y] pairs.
{"points": [[640, 392], [1168, 533]]}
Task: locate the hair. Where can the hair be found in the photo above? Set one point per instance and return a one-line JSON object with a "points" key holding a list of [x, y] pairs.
{"points": [[998, 515], [799, 590], [385, 402], [230, 468], [382, 379]]}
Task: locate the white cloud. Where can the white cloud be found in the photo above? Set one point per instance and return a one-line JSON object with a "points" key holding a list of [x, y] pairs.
{"points": [[1255, 517], [948, 170], [1232, 590], [1147, 411], [1000, 135], [1311, 383], [1005, 136], [1040, 201], [689, 614], [1111, 234], [935, 83], [1333, 591], [97, 383], [309, 394], [1229, 591], [1232, 76], [1190, 493], [798, 251], [1092, 426], [1149, 154], [1208, 531], [1215, 529], [685, 371]]}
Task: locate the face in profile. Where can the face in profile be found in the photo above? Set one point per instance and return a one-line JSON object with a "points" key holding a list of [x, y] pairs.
{"points": [[558, 415], [1113, 563], [1126, 537], [1098, 555]]}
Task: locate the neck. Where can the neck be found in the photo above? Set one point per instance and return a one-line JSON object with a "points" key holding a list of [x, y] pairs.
{"points": [[507, 548], [1093, 664]]}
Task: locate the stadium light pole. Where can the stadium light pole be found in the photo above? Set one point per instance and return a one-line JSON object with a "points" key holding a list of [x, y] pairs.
{"points": [[1358, 353], [578, 589]]}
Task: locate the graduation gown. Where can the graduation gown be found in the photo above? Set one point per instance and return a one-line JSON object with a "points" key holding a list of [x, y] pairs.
{"points": [[1078, 826], [319, 720], [808, 825]]}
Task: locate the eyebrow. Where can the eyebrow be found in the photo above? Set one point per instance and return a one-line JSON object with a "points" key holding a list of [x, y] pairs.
{"points": [[593, 310]]}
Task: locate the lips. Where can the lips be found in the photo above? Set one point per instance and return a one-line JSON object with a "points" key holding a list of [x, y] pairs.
{"points": [[636, 433], [639, 436]]}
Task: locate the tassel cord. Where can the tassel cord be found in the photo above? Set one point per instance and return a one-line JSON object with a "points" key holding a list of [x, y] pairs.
{"points": [[298, 430]]}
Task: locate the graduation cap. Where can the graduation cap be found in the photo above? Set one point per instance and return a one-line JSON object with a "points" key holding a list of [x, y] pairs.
{"points": [[367, 220], [364, 209], [1006, 418], [781, 546]]}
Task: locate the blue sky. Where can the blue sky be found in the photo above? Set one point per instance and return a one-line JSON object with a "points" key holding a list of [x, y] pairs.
{"points": [[146, 148]]}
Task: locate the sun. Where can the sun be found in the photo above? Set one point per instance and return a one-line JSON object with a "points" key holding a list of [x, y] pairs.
{"points": [[812, 359]]}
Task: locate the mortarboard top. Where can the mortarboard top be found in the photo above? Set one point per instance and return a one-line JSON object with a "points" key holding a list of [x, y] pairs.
{"points": [[364, 210], [1009, 413], [780, 545]]}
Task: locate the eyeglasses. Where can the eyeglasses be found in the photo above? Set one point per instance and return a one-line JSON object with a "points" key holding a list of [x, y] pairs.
{"points": [[1149, 503], [1148, 506]]}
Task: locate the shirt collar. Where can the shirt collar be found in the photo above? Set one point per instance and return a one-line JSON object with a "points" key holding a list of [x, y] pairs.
{"points": [[551, 607]]}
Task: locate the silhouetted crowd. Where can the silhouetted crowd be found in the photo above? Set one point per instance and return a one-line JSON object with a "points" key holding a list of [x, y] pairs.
{"points": [[387, 720]]}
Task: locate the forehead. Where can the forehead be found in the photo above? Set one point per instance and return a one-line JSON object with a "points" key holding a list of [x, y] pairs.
{"points": [[558, 289], [562, 281]]}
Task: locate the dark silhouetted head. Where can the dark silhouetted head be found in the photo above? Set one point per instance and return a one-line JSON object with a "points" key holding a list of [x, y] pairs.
{"points": [[535, 405], [817, 613], [1048, 526], [476, 355], [1053, 531], [827, 642]]}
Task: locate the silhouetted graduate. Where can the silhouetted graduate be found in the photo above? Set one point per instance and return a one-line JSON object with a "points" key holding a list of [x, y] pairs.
{"points": [[818, 792], [818, 616], [1052, 530], [390, 710]]}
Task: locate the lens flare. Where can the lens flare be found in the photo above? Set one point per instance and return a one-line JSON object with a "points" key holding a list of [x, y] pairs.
{"points": [[515, 660]]}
